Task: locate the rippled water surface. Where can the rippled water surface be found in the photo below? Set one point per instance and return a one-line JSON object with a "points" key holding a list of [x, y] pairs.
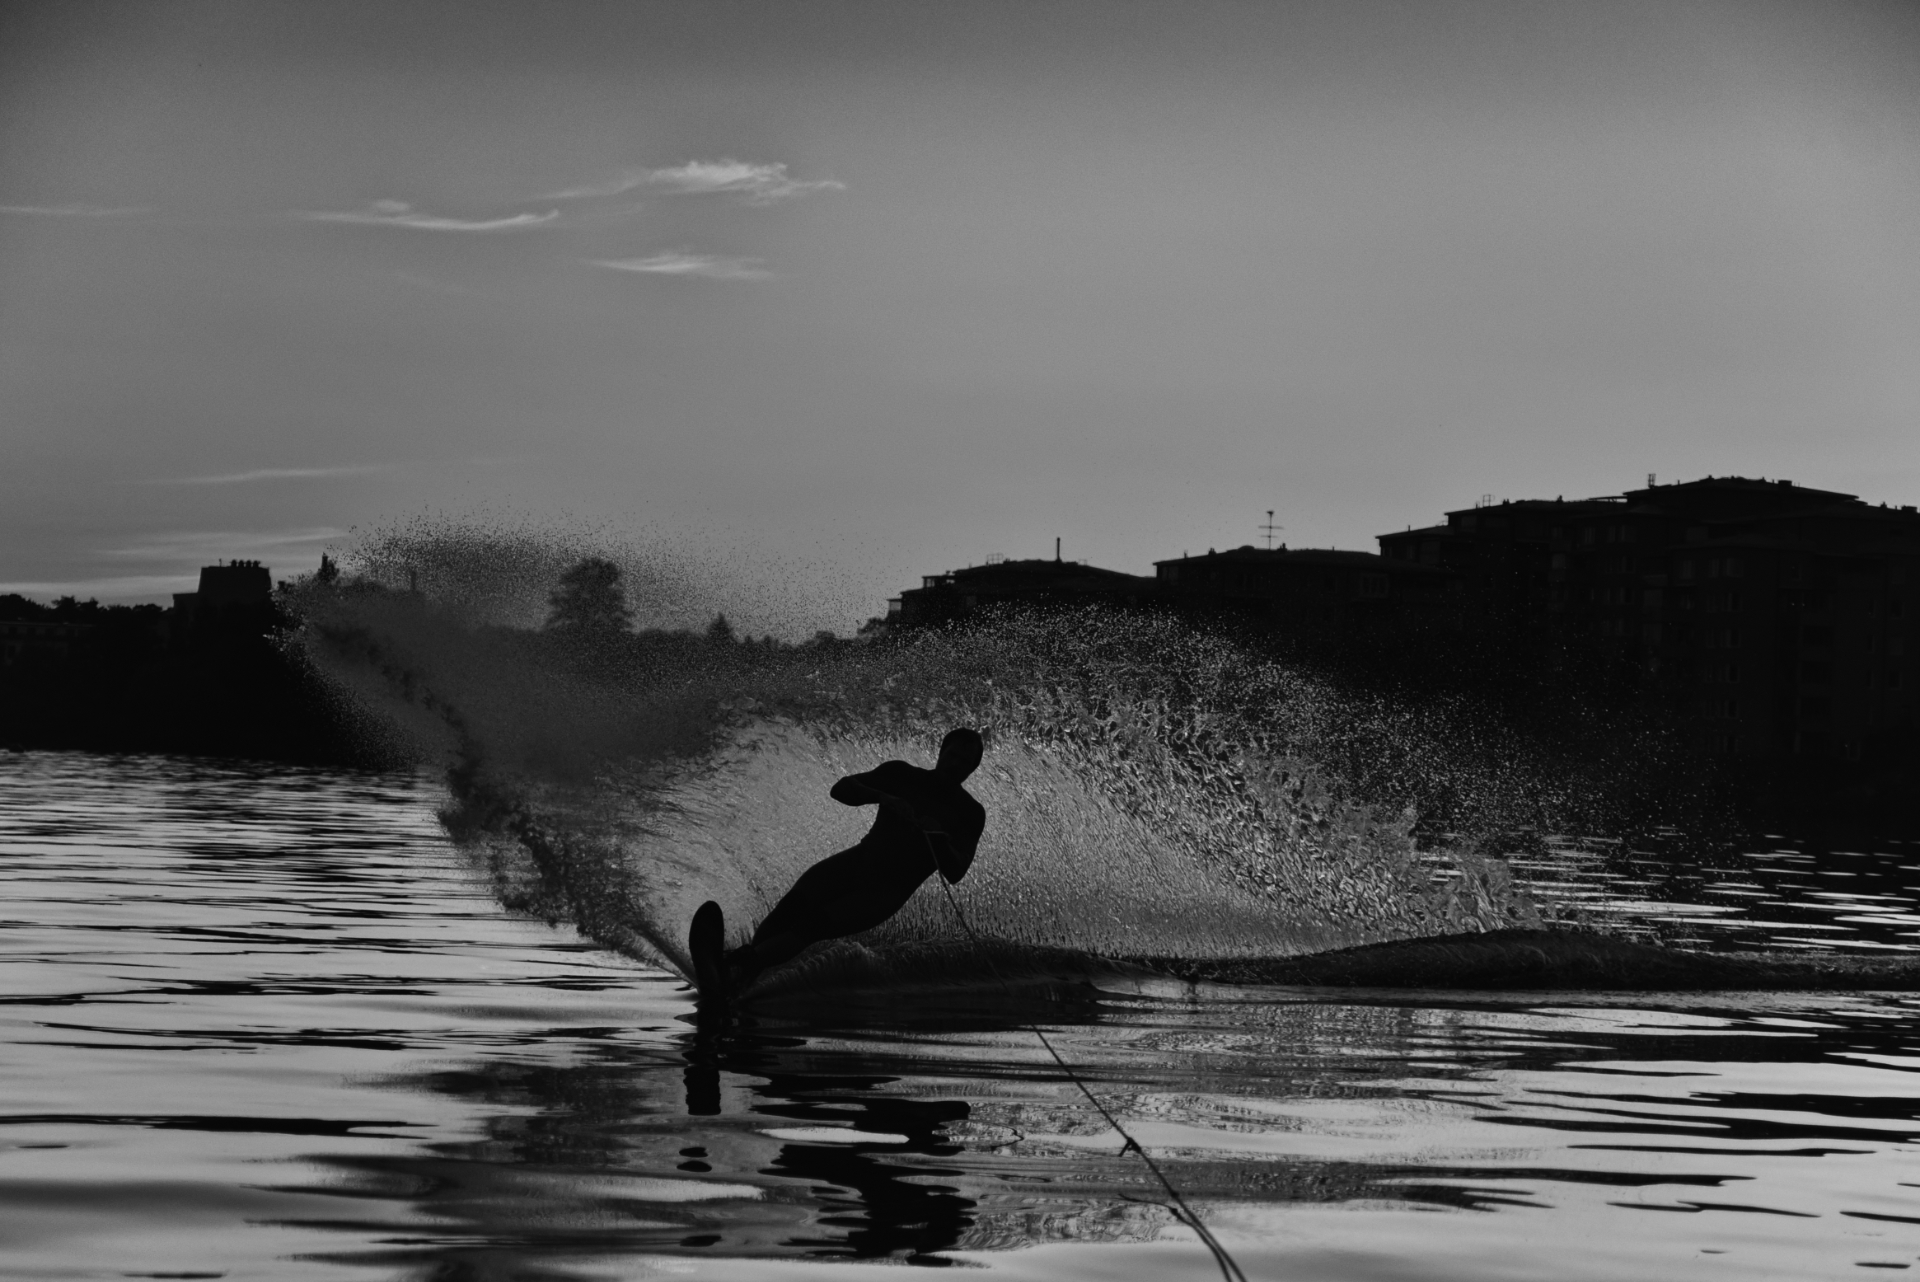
{"points": [[267, 1023]]}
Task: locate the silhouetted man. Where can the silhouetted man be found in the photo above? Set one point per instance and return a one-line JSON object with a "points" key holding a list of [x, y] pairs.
{"points": [[927, 822]]}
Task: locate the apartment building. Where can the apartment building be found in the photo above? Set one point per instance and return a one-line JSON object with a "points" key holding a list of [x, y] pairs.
{"points": [[1313, 590], [1775, 617]]}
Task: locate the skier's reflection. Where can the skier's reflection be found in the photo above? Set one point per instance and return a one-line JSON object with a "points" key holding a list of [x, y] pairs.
{"points": [[885, 1207]]}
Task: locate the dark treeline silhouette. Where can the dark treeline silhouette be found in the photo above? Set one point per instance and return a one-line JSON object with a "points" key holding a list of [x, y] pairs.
{"points": [[590, 601], [219, 676], [141, 678], [589, 625]]}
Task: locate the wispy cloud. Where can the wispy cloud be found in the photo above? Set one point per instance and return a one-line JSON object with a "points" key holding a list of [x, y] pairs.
{"points": [[149, 566], [203, 547], [271, 474], [711, 266], [757, 184], [76, 211], [397, 213]]}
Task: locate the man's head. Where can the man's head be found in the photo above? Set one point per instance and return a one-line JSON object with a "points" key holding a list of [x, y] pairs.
{"points": [[960, 754]]}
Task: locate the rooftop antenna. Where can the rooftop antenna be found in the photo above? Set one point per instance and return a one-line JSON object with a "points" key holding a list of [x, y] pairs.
{"points": [[1056, 548], [1270, 529], [1650, 480]]}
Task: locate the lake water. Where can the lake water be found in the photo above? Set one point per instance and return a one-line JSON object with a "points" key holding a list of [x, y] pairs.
{"points": [[268, 1023]]}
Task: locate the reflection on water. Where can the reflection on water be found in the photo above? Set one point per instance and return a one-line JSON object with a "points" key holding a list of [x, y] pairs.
{"points": [[1786, 896], [267, 1024]]}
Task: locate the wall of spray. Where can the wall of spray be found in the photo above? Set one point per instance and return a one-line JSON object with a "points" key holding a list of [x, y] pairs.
{"points": [[1152, 790]]}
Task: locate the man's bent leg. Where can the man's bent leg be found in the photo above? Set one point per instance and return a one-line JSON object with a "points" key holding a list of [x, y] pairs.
{"points": [[832, 899]]}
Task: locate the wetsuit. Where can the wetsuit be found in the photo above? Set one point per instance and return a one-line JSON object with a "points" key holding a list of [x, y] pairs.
{"points": [[859, 888]]}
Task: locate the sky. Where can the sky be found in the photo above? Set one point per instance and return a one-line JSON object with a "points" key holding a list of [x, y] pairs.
{"points": [[841, 294]]}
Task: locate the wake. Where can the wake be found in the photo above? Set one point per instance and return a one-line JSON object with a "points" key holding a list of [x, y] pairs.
{"points": [[1157, 796]]}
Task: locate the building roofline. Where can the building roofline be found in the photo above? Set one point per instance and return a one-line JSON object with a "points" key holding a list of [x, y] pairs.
{"points": [[1281, 555], [1741, 483]]}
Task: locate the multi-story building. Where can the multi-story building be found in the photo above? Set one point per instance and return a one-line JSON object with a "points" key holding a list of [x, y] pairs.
{"points": [[1775, 617], [1313, 590], [944, 598], [234, 597], [1501, 554]]}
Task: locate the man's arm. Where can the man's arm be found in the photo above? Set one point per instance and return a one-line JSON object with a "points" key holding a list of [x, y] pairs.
{"points": [[859, 790], [953, 851], [951, 863], [952, 855]]}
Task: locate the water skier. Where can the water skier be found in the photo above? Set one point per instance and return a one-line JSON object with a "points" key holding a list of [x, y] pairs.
{"points": [[927, 823]]}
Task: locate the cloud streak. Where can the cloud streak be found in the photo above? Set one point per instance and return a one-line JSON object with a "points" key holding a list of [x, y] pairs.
{"points": [[271, 474], [756, 184], [197, 548], [397, 213], [170, 562], [710, 266], [75, 211]]}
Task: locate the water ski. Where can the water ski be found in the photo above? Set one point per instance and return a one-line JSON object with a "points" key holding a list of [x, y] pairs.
{"points": [[707, 942]]}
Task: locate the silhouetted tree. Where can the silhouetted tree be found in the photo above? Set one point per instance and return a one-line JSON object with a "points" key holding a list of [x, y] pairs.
{"points": [[590, 600], [720, 630]]}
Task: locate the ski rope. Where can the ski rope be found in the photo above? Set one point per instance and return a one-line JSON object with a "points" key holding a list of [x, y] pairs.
{"points": [[1177, 1204]]}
